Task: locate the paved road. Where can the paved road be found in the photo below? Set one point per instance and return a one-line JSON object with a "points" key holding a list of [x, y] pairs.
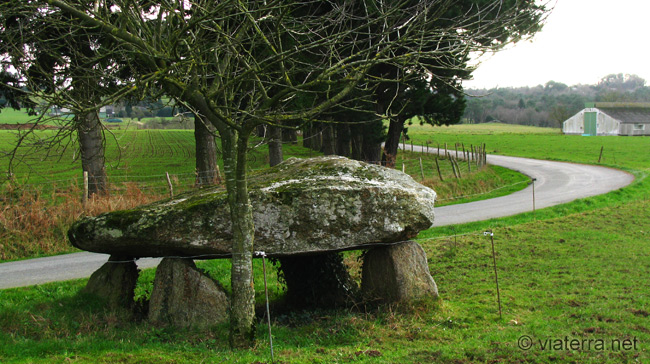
{"points": [[556, 183]]}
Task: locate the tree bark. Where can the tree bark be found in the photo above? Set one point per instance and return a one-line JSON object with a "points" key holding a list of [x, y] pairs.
{"points": [[371, 150], [372, 137], [206, 153], [391, 146], [343, 140], [242, 303], [91, 143], [356, 142], [307, 135], [328, 140], [317, 136], [289, 136], [275, 145]]}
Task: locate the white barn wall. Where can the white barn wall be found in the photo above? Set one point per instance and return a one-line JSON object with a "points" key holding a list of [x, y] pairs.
{"points": [[606, 125], [575, 124]]}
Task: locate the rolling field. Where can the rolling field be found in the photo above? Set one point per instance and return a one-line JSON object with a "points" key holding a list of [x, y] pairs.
{"points": [[573, 288]]}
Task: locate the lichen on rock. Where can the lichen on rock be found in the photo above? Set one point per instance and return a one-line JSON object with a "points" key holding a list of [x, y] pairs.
{"points": [[301, 205]]}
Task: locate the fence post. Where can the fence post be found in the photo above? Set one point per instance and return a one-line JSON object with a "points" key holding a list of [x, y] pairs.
{"points": [[84, 197], [421, 169], [484, 154], [438, 168], [533, 182], [496, 276], [171, 187], [601, 153], [460, 175]]}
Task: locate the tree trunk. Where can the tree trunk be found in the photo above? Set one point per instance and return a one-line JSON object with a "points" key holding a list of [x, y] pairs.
{"points": [[91, 142], [307, 135], [372, 137], [317, 136], [343, 140], [242, 303], [371, 150], [391, 146], [328, 140], [206, 153], [356, 142], [275, 145], [289, 136], [260, 131]]}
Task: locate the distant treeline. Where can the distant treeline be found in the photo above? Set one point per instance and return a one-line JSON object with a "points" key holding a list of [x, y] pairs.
{"points": [[550, 104]]}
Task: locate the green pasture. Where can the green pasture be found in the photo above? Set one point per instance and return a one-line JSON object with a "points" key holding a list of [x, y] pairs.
{"points": [[539, 143], [145, 156], [573, 285], [11, 116]]}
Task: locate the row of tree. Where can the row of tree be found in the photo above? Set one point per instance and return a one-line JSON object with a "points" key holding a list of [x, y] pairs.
{"points": [[237, 65], [551, 104]]}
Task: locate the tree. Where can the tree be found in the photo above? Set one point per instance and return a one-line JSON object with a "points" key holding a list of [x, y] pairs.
{"points": [[434, 91], [239, 64], [206, 153], [49, 58]]}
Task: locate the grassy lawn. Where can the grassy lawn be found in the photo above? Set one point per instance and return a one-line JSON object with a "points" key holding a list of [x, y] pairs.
{"points": [[573, 284], [11, 116]]}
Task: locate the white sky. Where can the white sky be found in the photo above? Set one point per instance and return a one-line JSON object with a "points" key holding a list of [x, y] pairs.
{"points": [[582, 41]]}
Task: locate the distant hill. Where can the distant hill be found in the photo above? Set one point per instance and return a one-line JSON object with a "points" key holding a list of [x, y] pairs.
{"points": [[550, 104]]}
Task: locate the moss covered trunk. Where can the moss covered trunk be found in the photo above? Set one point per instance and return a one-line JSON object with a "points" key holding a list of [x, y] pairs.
{"points": [[91, 144], [206, 153], [242, 306]]}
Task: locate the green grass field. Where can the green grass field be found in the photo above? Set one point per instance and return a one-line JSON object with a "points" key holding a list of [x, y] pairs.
{"points": [[573, 284], [11, 116]]}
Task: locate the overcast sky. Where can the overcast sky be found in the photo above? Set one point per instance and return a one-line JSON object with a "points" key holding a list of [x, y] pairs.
{"points": [[582, 41]]}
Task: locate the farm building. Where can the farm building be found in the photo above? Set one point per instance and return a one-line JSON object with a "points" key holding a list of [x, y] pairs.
{"points": [[610, 118]]}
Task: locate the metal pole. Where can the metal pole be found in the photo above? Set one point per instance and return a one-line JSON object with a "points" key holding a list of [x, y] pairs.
{"points": [[268, 311]]}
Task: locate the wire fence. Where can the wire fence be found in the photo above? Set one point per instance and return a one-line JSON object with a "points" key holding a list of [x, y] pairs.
{"points": [[159, 184]]}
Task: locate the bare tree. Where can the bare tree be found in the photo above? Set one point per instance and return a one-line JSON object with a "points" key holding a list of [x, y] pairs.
{"points": [[239, 64]]}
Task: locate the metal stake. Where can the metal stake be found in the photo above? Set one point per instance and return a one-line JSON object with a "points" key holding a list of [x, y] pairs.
{"points": [[268, 311]]}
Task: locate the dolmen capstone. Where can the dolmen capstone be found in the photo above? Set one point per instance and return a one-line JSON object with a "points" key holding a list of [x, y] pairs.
{"points": [[305, 211]]}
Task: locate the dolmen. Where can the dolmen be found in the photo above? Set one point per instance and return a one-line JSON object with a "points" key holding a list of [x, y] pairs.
{"points": [[305, 211]]}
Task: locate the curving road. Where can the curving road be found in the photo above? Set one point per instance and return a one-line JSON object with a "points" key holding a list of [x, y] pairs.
{"points": [[556, 183]]}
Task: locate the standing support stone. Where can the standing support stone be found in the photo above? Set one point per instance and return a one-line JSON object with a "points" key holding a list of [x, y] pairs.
{"points": [[184, 297], [114, 282], [397, 273]]}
